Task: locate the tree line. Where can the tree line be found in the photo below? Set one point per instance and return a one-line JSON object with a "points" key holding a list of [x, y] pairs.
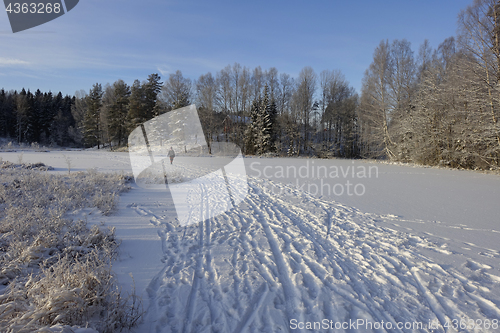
{"points": [[37, 117], [442, 106], [437, 107], [262, 111]]}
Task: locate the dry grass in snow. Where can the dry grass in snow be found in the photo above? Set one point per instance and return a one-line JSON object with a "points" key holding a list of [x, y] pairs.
{"points": [[55, 273]]}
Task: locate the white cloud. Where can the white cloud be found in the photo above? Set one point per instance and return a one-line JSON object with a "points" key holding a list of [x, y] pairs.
{"points": [[9, 62]]}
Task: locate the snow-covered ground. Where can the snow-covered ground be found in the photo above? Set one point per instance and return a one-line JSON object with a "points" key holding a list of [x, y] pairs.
{"points": [[400, 246]]}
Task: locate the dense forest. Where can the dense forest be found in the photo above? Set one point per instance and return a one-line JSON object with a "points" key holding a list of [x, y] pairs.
{"points": [[434, 106]]}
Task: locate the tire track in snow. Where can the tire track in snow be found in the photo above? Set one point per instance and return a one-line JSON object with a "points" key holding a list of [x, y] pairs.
{"points": [[266, 268], [292, 300], [431, 300], [396, 257], [365, 300], [253, 309]]}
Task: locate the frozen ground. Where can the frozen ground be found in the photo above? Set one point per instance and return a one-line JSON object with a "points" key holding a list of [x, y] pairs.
{"points": [[421, 245]]}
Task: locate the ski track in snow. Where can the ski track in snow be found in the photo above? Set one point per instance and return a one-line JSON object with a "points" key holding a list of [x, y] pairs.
{"points": [[290, 256]]}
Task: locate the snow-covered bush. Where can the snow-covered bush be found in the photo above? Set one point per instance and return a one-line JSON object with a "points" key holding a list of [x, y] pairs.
{"points": [[57, 271], [31, 166]]}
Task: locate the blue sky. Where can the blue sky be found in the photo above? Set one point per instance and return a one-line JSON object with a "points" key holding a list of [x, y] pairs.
{"points": [[105, 40]]}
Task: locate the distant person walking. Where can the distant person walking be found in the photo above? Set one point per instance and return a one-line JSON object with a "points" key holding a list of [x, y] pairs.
{"points": [[171, 154]]}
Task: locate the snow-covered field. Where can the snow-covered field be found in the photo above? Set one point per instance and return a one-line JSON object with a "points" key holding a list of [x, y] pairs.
{"points": [[384, 248]]}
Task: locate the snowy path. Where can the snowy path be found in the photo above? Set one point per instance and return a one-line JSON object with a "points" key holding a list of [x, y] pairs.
{"points": [[277, 261]]}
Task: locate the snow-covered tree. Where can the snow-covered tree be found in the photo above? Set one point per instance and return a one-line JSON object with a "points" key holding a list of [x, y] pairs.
{"points": [[251, 131], [260, 133]]}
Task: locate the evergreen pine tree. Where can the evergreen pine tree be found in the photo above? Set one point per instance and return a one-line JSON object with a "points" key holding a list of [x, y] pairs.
{"points": [[10, 115], [272, 111], [263, 125], [251, 133], [118, 112], [92, 122], [24, 107], [31, 119], [3, 113], [151, 88], [62, 120], [135, 115], [56, 120], [7, 114], [36, 116], [143, 101], [46, 116], [260, 134]]}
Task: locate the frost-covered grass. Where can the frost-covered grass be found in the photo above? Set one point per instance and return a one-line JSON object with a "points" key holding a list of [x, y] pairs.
{"points": [[12, 146], [56, 272], [20, 165]]}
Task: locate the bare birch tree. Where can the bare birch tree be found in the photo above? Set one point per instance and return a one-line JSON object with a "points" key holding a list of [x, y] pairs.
{"points": [[479, 27], [376, 104], [304, 101]]}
